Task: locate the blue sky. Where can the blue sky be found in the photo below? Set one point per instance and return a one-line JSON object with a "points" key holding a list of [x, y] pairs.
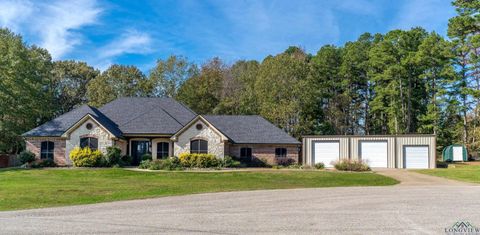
{"points": [[140, 32]]}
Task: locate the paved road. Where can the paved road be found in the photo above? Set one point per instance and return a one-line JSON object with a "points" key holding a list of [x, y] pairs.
{"points": [[357, 210]]}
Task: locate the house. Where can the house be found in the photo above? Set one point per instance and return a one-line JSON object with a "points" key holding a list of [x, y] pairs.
{"points": [[162, 127]]}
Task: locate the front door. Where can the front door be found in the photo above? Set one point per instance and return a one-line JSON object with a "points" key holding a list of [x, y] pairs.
{"points": [[139, 148]]}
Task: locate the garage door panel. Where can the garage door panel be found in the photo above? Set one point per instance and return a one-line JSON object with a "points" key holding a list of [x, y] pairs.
{"points": [[326, 152], [416, 157], [374, 153]]}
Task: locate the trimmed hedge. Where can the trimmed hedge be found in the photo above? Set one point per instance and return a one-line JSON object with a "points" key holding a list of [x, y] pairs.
{"points": [[198, 160]]}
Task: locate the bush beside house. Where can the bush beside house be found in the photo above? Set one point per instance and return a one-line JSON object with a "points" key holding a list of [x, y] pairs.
{"points": [[26, 157], [190, 160], [86, 157]]}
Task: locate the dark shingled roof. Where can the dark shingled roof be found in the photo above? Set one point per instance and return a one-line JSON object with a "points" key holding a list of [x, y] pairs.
{"points": [[59, 125], [250, 129], [163, 116], [125, 116], [148, 115]]}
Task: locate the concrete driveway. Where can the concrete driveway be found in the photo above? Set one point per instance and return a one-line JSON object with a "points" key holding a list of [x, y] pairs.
{"points": [[354, 210], [411, 178]]}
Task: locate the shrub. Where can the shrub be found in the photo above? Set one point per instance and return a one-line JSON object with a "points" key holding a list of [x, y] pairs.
{"points": [[145, 164], [113, 156], [44, 163], [127, 160], [442, 165], [198, 160], [230, 162], [295, 166], [351, 165], [285, 161], [319, 165], [164, 164], [86, 157], [278, 167], [146, 156], [27, 157]]}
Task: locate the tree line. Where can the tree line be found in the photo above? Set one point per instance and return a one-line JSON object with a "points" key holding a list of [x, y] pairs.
{"points": [[403, 81]]}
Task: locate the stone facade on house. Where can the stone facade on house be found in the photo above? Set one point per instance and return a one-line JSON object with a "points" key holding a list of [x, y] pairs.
{"points": [[266, 152], [33, 144], [104, 138], [216, 146]]}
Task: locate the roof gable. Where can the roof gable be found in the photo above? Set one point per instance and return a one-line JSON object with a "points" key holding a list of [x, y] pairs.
{"points": [[59, 125], [195, 120], [105, 126], [250, 129], [131, 115]]}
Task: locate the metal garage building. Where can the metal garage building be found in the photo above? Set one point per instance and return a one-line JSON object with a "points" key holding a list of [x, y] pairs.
{"points": [[390, 151]]}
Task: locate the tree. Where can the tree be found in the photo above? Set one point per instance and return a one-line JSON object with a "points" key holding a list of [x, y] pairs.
{"points": [[325, 90], [355, 81], [202, 92], [435, 56], [25, 89], [117, 81], [280, 91], [238, 92], [399, 92], [70, 79], [169, 75], [464, 31]]}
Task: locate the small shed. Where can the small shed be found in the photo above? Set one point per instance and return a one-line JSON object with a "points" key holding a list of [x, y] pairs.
{"points": [[455, 153]]}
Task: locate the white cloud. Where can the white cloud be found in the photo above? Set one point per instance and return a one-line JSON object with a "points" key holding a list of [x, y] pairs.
{"points": [[130, 42], [12, 13], [54, 23], [62, 18], [429, 14]]}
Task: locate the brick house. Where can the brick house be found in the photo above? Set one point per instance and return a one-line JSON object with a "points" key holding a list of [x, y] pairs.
{"points": [[162, 127]]}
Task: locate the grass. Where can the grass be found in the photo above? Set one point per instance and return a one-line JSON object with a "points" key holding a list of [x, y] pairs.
{"points": [[468, 173], [37, 188]]}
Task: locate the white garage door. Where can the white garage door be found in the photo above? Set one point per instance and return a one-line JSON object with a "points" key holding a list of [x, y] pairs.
{"points": [[326, 152], [458, 153], [416, 157], [374, 153]]}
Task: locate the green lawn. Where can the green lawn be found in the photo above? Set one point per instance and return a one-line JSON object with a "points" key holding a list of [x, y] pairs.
{"points": [[461, 172], [21, 189]]}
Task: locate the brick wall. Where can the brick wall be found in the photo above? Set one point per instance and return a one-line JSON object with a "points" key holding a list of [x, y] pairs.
{"points": [[266, 152], [34, 144]]}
